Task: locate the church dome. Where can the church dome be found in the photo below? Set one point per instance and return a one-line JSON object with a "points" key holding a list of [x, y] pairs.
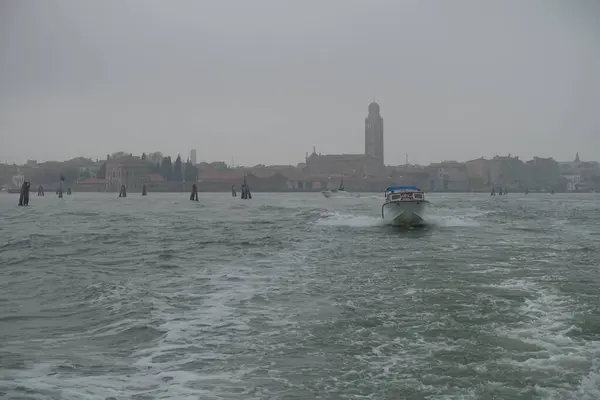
{"points": [[374, 108]]}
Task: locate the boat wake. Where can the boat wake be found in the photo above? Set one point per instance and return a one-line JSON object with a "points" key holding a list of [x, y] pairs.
{"points": [[450, 221], [349, 220], [334, 219]]}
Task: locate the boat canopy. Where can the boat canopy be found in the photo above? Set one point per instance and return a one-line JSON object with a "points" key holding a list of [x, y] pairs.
{"points": [[391, 188]]}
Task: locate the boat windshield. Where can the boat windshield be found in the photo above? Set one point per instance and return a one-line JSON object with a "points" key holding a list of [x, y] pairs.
{"points": [[404, 195]]}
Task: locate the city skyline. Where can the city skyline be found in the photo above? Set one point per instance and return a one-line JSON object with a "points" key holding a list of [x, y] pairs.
{"points": [[362, 172], [236, 164]]}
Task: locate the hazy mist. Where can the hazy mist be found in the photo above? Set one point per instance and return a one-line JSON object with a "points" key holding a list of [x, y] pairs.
{"points": [[263, 81]]}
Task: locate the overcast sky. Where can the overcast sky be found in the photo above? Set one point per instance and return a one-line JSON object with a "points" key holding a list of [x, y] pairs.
{"points": [[264, 81]]}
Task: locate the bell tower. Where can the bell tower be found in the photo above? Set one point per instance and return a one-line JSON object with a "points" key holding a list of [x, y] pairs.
{"points": [[374, 133]]}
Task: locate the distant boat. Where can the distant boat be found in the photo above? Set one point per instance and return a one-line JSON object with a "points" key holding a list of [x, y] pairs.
{"points": [[340, 192], [404, 205]]}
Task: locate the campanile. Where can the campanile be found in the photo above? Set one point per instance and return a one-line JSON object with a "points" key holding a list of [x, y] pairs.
{"points": [[374, 133]]}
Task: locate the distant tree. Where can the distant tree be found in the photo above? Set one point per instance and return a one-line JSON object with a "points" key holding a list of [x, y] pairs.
{"points": [[166, 168], [118, 154], [177, 172], [46, 174], [102, 172], [144, 157], [219, 165], [79, 162], [70, 173], [190, 172], [85, 174], [156, 156]]}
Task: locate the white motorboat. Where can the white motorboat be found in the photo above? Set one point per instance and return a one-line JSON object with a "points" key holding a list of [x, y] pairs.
{"points": [[404, 205], [336, 193]]}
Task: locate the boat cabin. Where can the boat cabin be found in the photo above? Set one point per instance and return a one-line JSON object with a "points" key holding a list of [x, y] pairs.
{"points": [[404, 193]]}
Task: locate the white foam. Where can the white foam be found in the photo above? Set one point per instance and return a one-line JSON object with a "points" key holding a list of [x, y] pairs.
{"points": [[450, 221], [350, 220], [549, 322], [589, 386], [191, 334]]}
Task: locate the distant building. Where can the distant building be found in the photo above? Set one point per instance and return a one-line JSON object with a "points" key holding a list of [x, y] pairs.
{"points": [[358, 165], [223, 180], [193, 157], [449, 175], [89, 172], [91, 185], [545, 168], [574, 182], [581, 176], [504, 171], [369, 164], [374, 133], [17, 180], [129, 170]]}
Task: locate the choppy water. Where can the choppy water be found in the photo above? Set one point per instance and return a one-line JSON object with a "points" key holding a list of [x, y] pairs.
{"points": [[299, 297]]}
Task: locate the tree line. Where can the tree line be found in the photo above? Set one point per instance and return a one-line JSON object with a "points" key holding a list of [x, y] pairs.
{"points": [[171, 171]]}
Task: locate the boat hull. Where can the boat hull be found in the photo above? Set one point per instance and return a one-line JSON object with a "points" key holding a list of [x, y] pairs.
{"points": [[404, 213]]}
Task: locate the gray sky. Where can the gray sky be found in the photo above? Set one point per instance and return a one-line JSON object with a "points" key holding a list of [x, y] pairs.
{"points": [[263, 81]]}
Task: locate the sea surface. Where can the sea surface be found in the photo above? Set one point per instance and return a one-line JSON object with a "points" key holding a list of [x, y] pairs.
{"points": [[294, 296]]}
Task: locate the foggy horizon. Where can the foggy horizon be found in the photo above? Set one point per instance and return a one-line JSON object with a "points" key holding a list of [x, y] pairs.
{"points": [[263, 83]]}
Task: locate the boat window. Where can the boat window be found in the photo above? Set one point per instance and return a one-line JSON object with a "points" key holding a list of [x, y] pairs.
{"points": [[395, 197]]}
